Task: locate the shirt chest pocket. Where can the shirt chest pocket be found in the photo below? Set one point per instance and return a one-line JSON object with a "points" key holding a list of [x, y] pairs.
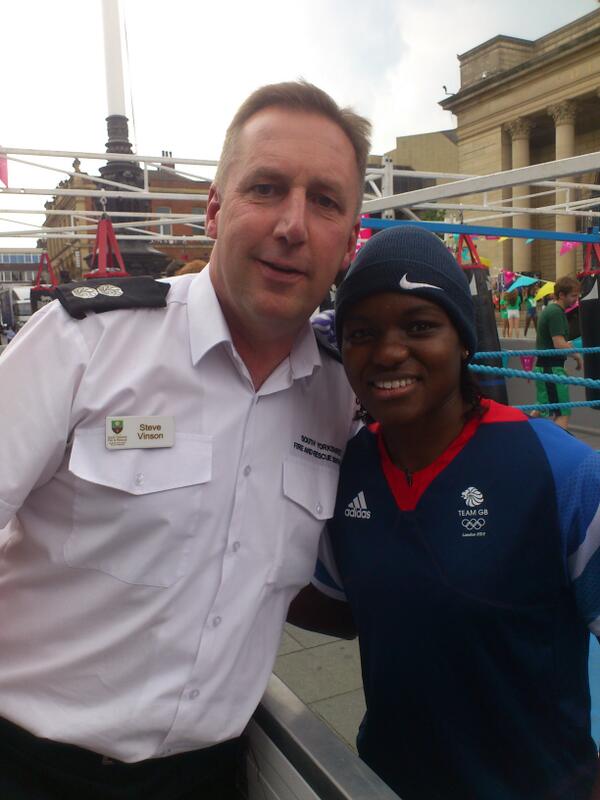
{"points": [[136, 512], [309, 490]]}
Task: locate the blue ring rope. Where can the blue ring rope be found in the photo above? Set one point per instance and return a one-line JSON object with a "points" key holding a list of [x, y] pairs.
{"points": [[558, 406], [537, 376], [509, 353]]}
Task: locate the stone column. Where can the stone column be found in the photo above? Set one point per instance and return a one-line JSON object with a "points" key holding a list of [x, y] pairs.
{"points": [[519, 131], [506, 164], [563, 115]]}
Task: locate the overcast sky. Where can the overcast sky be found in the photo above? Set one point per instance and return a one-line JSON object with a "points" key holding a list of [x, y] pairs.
{"points": [[190, 64]]}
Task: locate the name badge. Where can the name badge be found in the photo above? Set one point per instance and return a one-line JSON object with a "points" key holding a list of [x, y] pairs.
{"points": [[131, 433]]}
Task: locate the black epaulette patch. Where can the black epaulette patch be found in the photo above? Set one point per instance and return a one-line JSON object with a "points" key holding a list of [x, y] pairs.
{"points": [[326, 345], [109, 294]]}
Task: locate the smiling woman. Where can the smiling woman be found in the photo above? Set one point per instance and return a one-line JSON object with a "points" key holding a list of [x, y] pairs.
{"points": [[403, 358], [405, 326], [473, 613]]}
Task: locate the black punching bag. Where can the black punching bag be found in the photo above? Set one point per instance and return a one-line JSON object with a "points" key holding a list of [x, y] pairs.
{"points": [[589, 321], [492, 386]]}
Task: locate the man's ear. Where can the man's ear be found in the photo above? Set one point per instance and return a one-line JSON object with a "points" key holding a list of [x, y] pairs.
{"points": [[213, 207], [351, 249]]}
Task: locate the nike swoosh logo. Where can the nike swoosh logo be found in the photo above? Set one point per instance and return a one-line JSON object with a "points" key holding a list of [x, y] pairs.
{"points": [[406, 284]]}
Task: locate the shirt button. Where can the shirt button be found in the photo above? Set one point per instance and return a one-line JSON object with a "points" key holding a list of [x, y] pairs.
{"points": [[194, 694], [236, 546], [139, 479], [319, 508], [216, 621], [247, 470]]}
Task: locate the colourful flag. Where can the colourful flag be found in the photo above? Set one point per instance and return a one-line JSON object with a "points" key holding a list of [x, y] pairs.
{"points": [[4, 169], [566, 247], [547, 288]]}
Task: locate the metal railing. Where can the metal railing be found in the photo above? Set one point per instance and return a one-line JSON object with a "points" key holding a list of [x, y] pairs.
{"points": [[293, 755]]}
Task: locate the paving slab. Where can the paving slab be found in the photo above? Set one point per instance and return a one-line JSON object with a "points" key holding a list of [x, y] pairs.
{"points": [[288, 644], [343, 714], [308, 638], [321, 672]]}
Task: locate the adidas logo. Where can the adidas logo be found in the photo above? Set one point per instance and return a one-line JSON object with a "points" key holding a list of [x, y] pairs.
{"points": [[358, 507]]}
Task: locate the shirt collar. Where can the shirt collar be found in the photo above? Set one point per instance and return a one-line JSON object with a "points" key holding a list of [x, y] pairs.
{"points": [[206, 322], [305, 356], [208, 328]]}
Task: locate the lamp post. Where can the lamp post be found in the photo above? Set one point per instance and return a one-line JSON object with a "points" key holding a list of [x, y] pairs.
{"points": [[139, 257]]}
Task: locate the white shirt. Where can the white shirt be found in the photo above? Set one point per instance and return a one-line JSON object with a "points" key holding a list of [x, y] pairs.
{"points": [[142, 592]]}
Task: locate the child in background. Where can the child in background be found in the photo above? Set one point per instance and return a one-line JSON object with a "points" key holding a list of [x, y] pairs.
{"points": [[513, 309]]}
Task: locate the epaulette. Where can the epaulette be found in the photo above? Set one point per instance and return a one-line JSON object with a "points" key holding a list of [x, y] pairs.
{"points": [[109, 294]]}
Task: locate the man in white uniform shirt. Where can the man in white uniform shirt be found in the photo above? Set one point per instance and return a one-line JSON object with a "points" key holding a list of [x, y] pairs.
{"points": [[166, 473]]}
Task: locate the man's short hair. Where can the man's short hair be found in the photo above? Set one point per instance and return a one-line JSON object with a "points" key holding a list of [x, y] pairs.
{"points": [[566, 285], [298, 96]]}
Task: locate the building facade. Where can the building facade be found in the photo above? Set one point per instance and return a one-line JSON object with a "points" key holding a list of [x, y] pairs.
{"points": [[427, 152], [70, 257], [18, 266], [18, 271], [525, 102]]}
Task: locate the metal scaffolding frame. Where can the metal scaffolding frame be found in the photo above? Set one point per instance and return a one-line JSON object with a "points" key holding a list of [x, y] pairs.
{"points": [[378, 194]]}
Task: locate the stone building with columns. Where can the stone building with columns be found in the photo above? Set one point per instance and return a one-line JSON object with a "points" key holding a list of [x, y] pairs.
{"points": [[525, 102]]}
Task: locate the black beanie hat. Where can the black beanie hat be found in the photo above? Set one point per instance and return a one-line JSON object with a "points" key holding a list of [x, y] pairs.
{"points": [[413, 261]]}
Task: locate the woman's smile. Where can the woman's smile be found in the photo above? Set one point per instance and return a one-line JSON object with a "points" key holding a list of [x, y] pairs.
{"points": [[403, 357]]}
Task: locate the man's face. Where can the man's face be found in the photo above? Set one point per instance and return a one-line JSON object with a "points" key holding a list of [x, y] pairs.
{"points": [[569, 299], [285, 221]]}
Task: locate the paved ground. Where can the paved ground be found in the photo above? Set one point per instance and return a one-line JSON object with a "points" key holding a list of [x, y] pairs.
{"points": [[325, 674]]}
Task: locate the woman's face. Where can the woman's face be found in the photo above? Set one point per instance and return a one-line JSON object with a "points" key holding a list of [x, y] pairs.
{"points": [[403, 358]]}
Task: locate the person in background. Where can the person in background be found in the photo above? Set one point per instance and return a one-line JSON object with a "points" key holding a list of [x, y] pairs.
{"points": [[9, 334], [530, 308], [472, 581], [553, 334], [503, 316], [172, 463], [513, 310]]}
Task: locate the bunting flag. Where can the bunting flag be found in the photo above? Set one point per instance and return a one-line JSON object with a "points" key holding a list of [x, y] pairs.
{"points": [[529, 241], [547, 288], [4, 169], [523, 280], [527, 363], [566, 247]]}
